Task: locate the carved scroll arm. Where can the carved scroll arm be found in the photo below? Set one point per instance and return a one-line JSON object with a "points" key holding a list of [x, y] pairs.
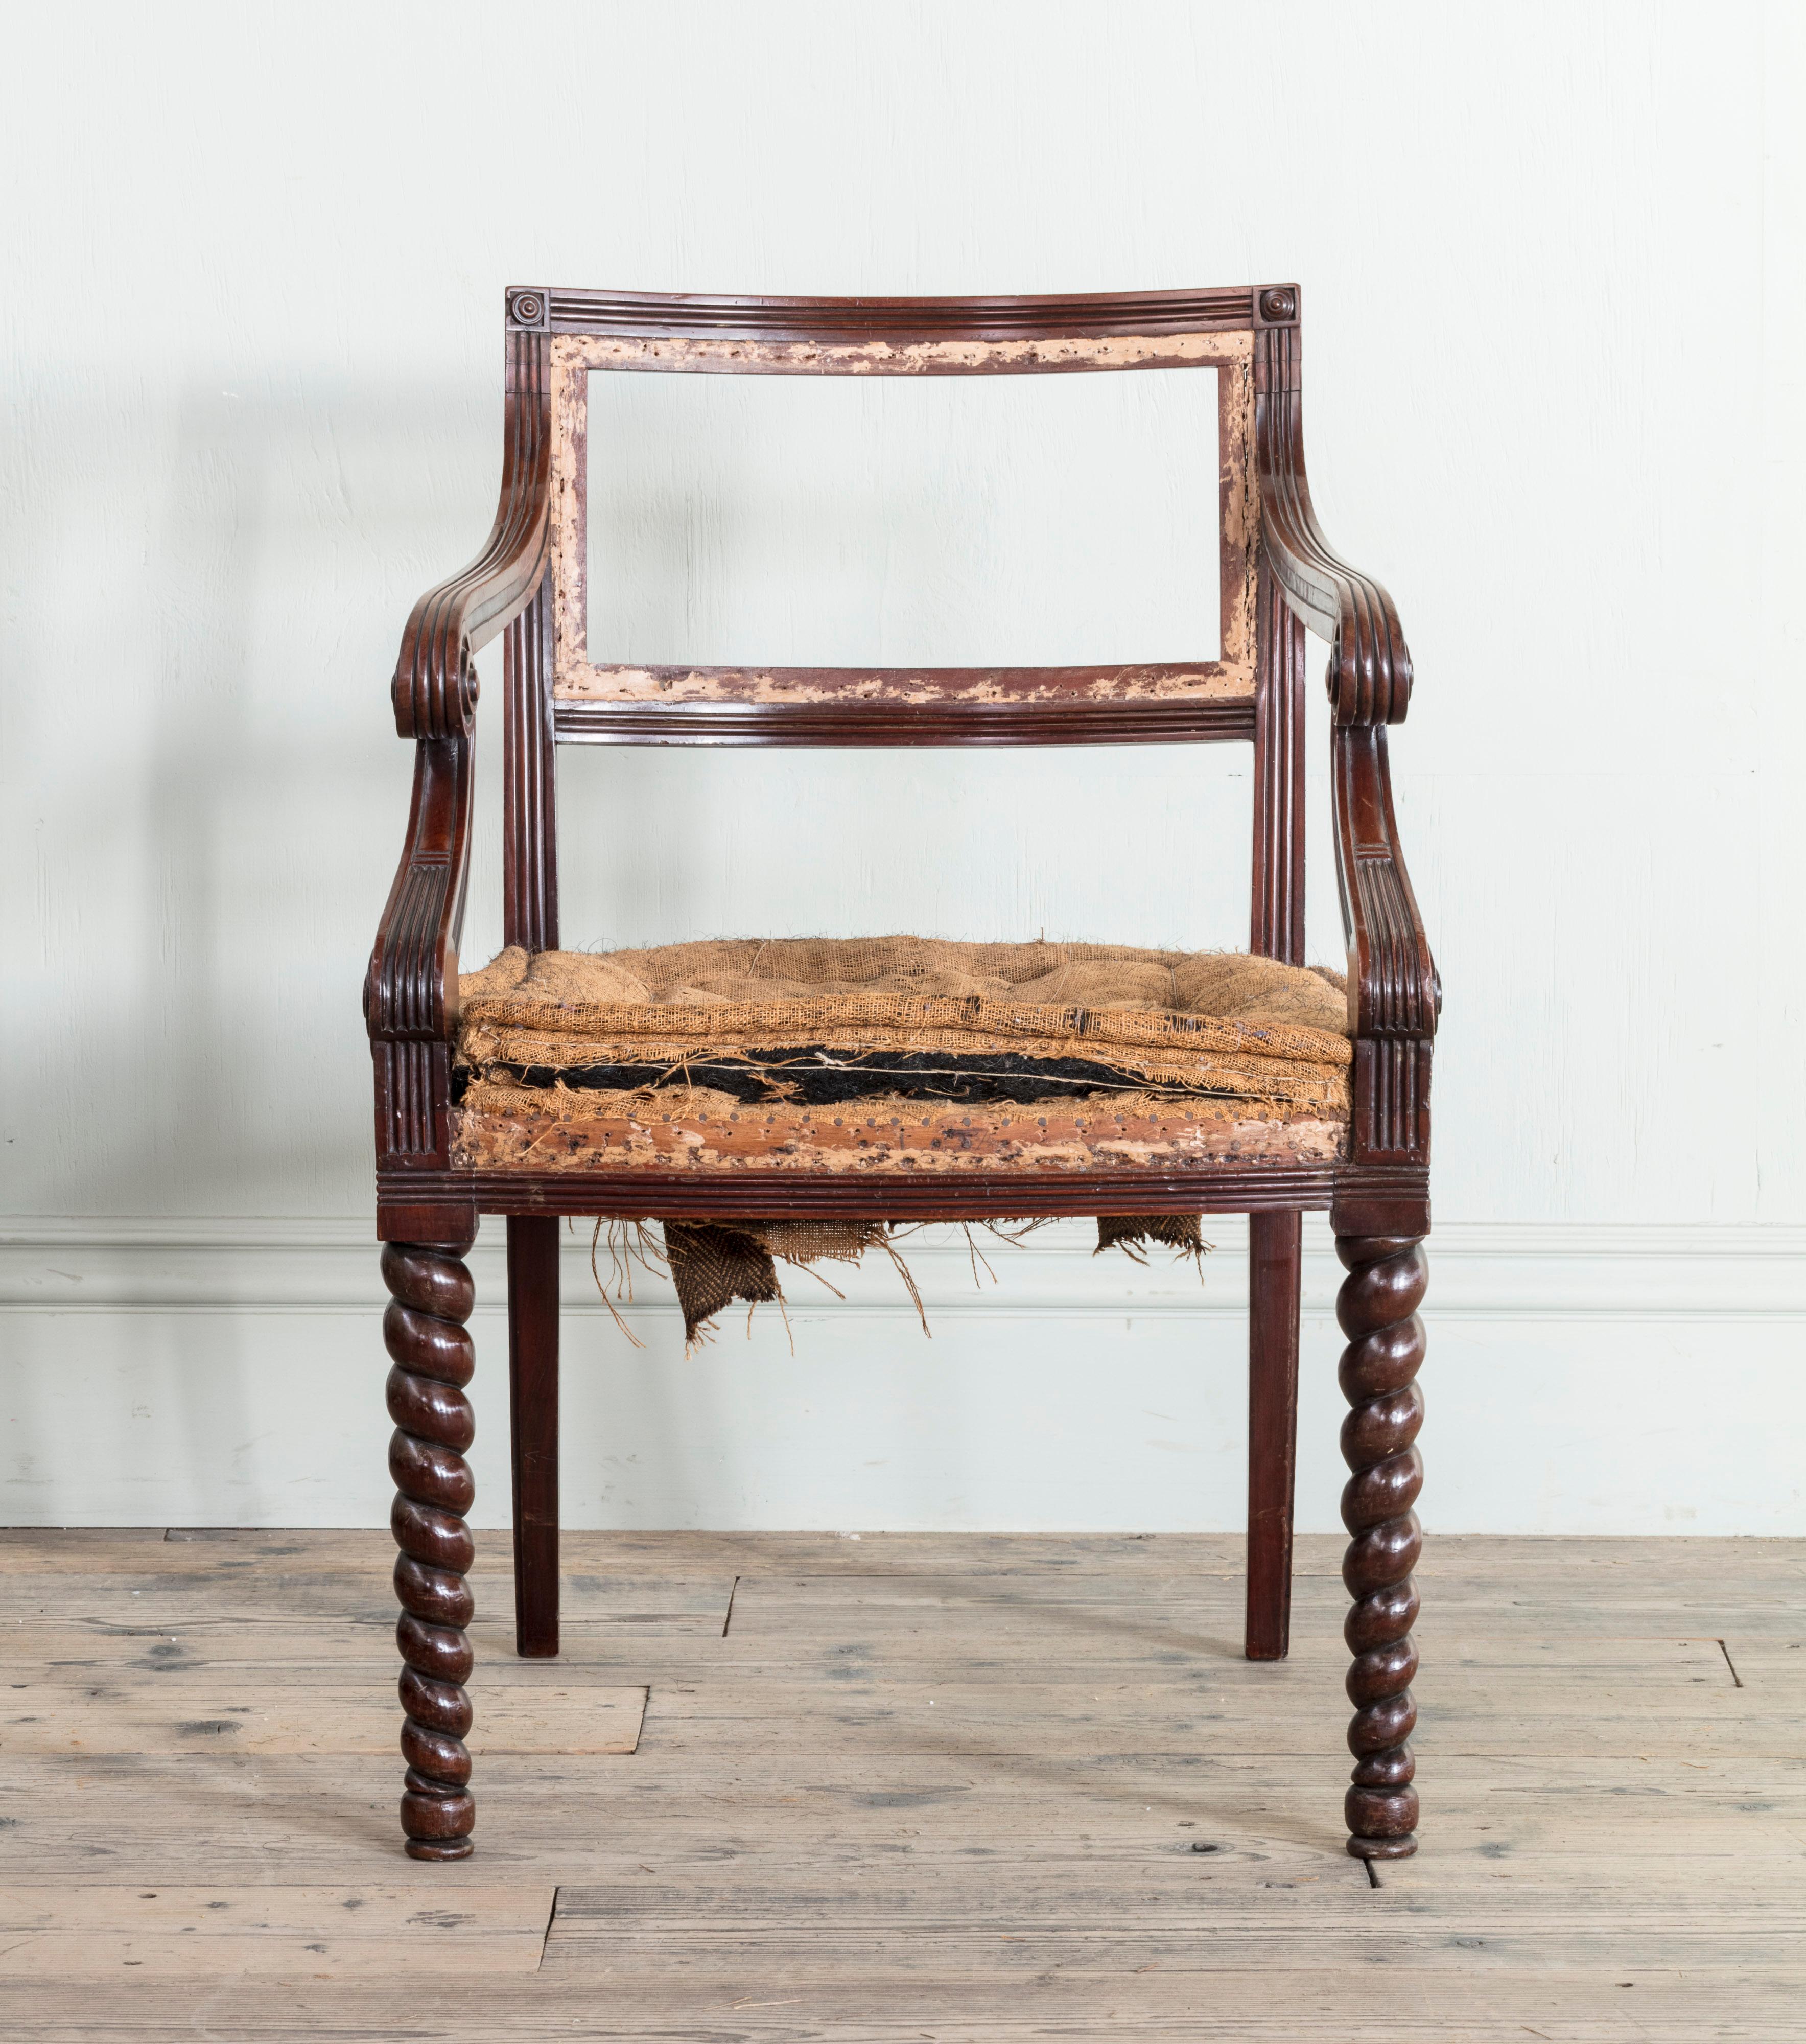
{"points": [[435, 688], [1394, 993], [1394, 990], [1370, 667], [411, 992]]}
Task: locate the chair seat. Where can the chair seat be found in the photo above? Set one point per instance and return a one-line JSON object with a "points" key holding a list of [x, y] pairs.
{"points": [[857, 1056]]}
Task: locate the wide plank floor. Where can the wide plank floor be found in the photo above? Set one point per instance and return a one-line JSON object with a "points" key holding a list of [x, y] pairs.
{"points": [[790, 1787]]}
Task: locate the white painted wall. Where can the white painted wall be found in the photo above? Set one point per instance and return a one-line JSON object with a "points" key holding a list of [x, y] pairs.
{"points": [[1555, 311]]}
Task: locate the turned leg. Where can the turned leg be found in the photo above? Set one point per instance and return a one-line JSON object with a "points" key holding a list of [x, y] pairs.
{"points": [[1275, 1244], [1378, 1309], [533, 1410], [431, 1297]]}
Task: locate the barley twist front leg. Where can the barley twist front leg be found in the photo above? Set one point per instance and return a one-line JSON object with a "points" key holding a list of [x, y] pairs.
{"points": [[1378, 1310], [431, 1296]]}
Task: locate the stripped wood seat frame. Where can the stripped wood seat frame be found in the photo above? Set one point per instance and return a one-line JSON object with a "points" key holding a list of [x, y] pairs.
{"points": [[1279, 576]]}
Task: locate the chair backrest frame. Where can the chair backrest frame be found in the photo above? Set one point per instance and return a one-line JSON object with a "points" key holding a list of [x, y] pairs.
{"points": [[553, 693]]}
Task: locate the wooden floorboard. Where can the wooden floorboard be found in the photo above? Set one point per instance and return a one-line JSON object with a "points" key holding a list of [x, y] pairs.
{"points": [[958, 1787]]}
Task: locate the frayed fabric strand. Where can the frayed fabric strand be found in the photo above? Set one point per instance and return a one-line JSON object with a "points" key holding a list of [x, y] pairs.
{"points": [[714, 1265]]}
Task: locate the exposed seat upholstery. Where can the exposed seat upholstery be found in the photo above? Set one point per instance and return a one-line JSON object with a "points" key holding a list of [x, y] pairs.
{"points": [[853, 1055]]}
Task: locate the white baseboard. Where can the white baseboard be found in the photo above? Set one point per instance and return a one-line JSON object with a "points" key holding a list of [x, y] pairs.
{"points": [[1494, 1270], [230, 1372]]}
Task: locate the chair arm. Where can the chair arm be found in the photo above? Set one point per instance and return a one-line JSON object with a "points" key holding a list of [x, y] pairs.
{"points": [[1370, 670], [1394, 987], [1394, 993], [411, 992], [435, 688]]}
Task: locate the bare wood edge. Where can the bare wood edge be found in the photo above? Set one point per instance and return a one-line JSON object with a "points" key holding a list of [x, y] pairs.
{"points": [[951, 687], [1238, 516], [572, 357], [900, 353]]}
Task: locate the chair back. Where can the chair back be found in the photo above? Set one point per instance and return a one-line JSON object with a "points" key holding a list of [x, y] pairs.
{"points": [[1250, 689]]}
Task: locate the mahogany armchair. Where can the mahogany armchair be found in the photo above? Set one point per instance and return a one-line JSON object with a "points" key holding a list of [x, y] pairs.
{"points": [[1279, 576]]}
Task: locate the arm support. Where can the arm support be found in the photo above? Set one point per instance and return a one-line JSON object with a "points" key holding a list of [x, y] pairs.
{"points": [[1395, 994], [412, 993]]}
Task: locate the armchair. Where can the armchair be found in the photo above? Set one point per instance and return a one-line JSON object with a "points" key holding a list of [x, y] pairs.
{"points": [[442, 1160]]}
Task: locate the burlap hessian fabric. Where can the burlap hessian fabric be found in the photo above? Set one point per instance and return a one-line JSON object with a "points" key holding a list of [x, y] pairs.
{"points": [[713, 1263], [772, 1013]]}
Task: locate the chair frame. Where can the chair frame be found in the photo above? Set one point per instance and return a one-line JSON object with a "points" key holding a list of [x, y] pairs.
{"points": [[1284, 577]]}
